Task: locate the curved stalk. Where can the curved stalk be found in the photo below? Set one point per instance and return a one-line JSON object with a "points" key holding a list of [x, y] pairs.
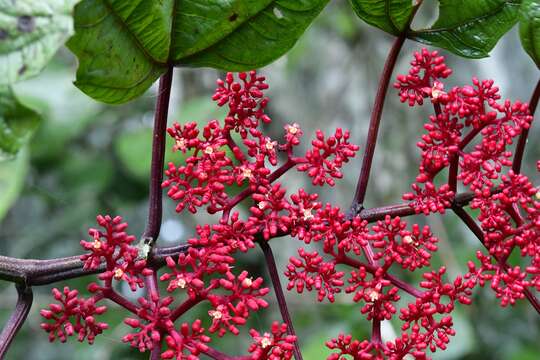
{"points": [[374, 123], [43, 272], [17, 318]]}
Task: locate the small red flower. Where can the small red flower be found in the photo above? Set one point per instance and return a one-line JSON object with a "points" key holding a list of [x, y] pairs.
{"points": [[276, 345], [73, 315], [186, 343], [311, 272], [325, 159], [426, 69], [155, 316]]}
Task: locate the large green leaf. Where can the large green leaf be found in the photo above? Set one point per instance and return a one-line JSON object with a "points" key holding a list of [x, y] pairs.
{"points": [[391, 16], [30, 33], [529, 28], [124, 46], [470, 28], [12, 174], [17, 123]]}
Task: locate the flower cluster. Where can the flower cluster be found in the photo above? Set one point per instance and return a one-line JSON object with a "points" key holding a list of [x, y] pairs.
{"points": [[220, 155], [113, 247], [427, 323], [238, 152], [276, 345], [422, 81], [353, 257], [506, 200], [72, 315], [473, 108], [313, 273], [509, 217], [203, 274]]}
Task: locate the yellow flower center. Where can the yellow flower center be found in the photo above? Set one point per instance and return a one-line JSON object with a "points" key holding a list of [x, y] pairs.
{"points": [[408, 240], [373, 295], [292, 129], [97, 244], [307, 214], [269, 145], [181, 283], [215, 314], [266, 341], [247, 173], [247, 282], [209, 150], [180, 144], [118, 273]]}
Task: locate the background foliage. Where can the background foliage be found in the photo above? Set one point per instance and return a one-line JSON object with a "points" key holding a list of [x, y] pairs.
{"points": [[87, 158]]}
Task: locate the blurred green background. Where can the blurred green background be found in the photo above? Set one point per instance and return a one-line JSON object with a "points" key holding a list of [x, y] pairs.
{"points": [[88, 158]]}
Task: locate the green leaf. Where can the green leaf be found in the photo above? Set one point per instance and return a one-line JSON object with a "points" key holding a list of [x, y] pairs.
{"points": [[17, 123], [12, 175], [30, 34], [264, 36], [470, 28], [529, 28], [124, 46], [391, 16]]}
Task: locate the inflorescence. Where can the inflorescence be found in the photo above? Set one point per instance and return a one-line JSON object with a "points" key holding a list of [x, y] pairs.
{"points": [[470, 134]]}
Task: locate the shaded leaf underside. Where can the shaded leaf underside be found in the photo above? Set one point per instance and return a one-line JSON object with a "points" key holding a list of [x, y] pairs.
{"points": [[391, 16], [123, 47], [470, 28]]}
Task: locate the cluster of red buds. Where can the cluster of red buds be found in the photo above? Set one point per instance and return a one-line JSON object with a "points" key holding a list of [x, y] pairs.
{"points": [[508, 202], [357, 258], [221, 155], [509, 218]]}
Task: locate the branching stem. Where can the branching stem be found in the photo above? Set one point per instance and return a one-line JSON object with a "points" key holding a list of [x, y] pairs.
{"points": [[477, 231], [375, 121], [17, 318], [43, 272], [520, 147], [274, 276], [155, 201]]}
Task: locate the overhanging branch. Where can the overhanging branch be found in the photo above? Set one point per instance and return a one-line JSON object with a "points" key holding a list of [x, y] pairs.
{"points": [[42, 272]]}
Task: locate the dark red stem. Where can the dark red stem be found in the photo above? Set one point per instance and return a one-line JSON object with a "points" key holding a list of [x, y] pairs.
{"points": [[370, 268], [520, 147], [280, 296], [376, 331], [155, 201], [375, 121], [120, 300], [43, 272], [17, 318], [218, 355], [152, 289], [477, 231], [185, 306]]}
